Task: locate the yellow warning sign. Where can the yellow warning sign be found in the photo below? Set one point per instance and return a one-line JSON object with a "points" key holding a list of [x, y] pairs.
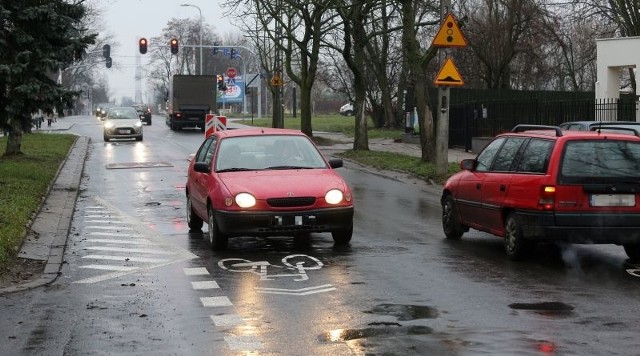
{"points": [[449, 34], [448, 75], [276, 81]]}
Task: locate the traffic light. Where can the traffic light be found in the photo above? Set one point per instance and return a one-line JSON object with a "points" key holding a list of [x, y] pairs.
{"points": [[232, 53], [174, 46], [107, 62], [221, 85], [143, 45], [215, 49], [106, 51]]}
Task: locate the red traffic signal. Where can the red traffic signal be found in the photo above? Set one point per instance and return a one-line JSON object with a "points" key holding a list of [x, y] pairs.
{"points": [[174, 46], [142, 43]]}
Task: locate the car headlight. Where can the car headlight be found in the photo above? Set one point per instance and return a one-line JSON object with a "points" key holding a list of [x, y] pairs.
{"points": [[334, 196], [108, 125], [245, 200], [138, 124]]}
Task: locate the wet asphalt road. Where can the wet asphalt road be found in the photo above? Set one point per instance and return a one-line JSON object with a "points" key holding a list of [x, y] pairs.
{"points": [[136, 282]]}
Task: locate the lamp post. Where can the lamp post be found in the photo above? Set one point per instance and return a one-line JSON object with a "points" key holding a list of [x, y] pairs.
{"points": [[200, 11]]}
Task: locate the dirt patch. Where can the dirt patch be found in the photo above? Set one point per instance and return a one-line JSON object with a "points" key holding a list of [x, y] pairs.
{"points": [[21, 271]]}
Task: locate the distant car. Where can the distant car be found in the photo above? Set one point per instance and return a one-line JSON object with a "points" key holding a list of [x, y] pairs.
{"points": [[347, 110], [102, 109], [144, 113], [266, 182], [543, 184], [588, 125], [122, 122]]}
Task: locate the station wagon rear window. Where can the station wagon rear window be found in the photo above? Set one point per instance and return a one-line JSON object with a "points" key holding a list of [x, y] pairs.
{"points": [[609, 160]]}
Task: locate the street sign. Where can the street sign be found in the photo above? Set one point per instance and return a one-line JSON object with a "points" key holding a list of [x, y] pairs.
{"points": [[231, 72], [276, 81], [449, 34], [448, 75]]}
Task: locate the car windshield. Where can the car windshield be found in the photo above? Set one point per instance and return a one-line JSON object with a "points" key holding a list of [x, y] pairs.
{"points": [[268, 152], [609, 159], [122, 114]]}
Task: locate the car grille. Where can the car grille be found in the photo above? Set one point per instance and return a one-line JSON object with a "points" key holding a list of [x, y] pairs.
{"points": [[291, 202]]}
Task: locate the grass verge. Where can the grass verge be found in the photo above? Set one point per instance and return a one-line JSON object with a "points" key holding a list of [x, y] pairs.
{"points": [[24, 181]]}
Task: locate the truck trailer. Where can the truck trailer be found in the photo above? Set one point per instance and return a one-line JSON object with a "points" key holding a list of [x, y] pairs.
{"points": [[191, 98]]}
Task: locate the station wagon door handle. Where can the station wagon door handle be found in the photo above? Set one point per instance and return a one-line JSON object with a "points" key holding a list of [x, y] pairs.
{"points": [[478, 186], [503, 187]]}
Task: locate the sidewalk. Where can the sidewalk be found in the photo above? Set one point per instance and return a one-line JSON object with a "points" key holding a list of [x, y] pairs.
{"points": [[47, 236]]}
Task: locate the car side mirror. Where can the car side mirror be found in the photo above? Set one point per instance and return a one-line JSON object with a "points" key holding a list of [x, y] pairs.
{"points": [[468, 164], [336, 162], [201, 167]]}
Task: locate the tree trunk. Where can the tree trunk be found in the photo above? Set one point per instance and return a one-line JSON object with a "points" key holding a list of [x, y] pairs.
{"points": [[305, 109], [14, 143]]}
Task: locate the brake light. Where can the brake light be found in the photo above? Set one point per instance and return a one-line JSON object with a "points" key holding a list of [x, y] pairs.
{"points": [[547, 197], [178, 114]]}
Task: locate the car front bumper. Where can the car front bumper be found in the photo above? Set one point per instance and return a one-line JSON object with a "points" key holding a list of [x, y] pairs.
{"points": [[264, 223]]}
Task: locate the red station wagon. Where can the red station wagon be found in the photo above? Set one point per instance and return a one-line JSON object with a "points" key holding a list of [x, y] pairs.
{"points": [[543, 184]]}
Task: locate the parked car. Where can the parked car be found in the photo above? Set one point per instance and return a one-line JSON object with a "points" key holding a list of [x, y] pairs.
{"points": [[347, 110], [589, 125], [144, 113], [122, 122], [543, 184], [266, 182]]}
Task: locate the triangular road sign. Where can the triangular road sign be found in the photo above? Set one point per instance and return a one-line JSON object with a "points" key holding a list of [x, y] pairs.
{"points": [[448, 75], [449, 34]]}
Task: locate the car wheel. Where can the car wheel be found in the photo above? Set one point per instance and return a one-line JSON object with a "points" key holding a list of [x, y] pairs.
{"points": [[106, 138], [139, 138], [451, 225], [342, 237], [149, 122], [633, 251], [194, 221], [515, 245], [218, 241]]}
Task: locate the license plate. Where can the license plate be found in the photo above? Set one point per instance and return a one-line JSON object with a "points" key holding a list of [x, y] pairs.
{"points": [[289, 220], [123, 131], [613, 200]]}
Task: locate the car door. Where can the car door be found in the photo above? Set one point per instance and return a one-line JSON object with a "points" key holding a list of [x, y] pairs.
{"points": [[199, 182], [469, 190], [496, 183]]}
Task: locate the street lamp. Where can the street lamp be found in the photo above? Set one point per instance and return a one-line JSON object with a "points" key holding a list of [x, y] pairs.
{"points": [[200, 11]]}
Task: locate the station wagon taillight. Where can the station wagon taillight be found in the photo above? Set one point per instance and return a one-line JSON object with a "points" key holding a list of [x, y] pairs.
{"points": [[547, 197]]}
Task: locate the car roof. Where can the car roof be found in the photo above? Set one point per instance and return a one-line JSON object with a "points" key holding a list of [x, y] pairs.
{"points": [[599, 122], [545, 131], [256, 131]]}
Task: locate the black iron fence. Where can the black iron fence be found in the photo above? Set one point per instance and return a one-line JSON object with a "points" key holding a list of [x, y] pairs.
{"points": [[489, 115]]}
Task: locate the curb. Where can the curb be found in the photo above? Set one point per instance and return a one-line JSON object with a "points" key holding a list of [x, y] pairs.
{"points": [[42, 241]]}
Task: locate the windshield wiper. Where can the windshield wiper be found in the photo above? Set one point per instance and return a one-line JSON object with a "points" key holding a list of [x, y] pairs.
{"points": [[234, 169], [289, 167]]}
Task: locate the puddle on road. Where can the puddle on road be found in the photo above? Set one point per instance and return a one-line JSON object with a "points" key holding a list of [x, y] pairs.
{"points": [[405, 312], [341, 335], [545, 308]]}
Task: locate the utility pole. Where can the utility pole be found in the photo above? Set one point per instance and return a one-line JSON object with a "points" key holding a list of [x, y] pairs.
{"points": [[442, 114]]}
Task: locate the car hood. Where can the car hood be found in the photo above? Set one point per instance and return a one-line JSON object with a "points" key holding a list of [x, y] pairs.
{"points": [[282, 183], [123, 122]]}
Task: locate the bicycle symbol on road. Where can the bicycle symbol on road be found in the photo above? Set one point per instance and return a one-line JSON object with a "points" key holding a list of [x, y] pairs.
{"points": [[299, 263]]}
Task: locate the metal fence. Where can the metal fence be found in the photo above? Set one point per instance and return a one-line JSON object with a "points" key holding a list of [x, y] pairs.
{"points": [[487, 118]]}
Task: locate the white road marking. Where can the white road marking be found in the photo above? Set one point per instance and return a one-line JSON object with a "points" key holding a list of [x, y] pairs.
{"points": [[216, 302], [126, 258], [243, 343], [110, 268], [125, 242], [300, 292], [110, 228], [227, 320], [105, 221], [114, 234], [128, 250], [200, 271], [201, 285]]}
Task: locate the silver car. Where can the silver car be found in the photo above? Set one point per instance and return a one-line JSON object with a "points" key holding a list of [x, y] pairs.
{"points": [[122, 122]]}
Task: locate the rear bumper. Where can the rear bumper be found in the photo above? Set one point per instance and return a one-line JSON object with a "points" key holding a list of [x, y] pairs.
{"points": [[284, 223], [581, 227]]}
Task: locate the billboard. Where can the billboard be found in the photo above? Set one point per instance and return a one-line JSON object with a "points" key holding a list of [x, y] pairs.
{"points": [[234, 93]]}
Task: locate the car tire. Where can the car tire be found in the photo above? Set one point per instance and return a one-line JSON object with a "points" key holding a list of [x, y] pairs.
{"points": [[342, 237], [193, 221], [106, 138], [633, 251], [218, 240], [515, 246], [139, 138], [451, 225]]}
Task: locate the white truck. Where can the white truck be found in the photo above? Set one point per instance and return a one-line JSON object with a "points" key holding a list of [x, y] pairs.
{"points": [[191, 97]]}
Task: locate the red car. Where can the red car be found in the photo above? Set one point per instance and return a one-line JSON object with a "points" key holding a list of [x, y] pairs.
{"points": [[266, 182], [543, 184]]}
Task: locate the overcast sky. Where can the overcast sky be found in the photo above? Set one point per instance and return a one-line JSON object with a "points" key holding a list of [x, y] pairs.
{"points": [[128, 20]]}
